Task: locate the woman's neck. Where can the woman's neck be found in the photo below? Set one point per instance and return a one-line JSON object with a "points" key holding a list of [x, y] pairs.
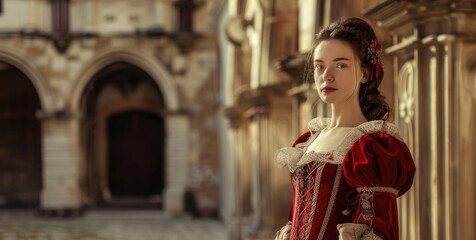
{"points": [[346, 115]]}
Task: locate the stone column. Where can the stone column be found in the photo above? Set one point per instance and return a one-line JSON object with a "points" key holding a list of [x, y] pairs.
{"points": [[61, 193], [261, 225], [176, 165], [280, 134], [236, 220], [234, 172]]}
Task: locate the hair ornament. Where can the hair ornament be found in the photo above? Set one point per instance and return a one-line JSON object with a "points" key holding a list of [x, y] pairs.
{"points": [[373, 55]]}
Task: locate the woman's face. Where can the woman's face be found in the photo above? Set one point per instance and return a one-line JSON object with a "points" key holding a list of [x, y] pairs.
{"points": [[337, 73]]}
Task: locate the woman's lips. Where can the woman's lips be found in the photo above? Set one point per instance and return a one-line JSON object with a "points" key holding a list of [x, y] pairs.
{"points": [[328, 89]]}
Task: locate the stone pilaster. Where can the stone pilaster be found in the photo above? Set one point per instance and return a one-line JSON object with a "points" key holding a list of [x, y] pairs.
{"points": [[177, 156], [61, 193], [236, 220], [261, 226]]}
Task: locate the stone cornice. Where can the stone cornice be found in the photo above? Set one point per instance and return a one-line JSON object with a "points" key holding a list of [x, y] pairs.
{"points": [[388, 14], [262, 94], [233, 114], [416, 24], [251, 102], [294, 66], [303, 92], [394, 15]]}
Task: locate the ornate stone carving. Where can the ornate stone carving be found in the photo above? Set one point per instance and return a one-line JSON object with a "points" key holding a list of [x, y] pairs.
{"points": [[406, 99]]}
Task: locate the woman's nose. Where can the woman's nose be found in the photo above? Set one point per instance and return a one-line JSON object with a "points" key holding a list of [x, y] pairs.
{"points": [[328, 75]]}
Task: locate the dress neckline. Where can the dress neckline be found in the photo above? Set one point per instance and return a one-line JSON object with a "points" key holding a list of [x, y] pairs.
{"points": [[296, 156], [337, 155], [349, 129], [318, 125]]}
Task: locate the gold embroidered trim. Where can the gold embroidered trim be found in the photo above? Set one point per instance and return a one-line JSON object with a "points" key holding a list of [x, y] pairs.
{"points": [[378, 189], [332, 200]]}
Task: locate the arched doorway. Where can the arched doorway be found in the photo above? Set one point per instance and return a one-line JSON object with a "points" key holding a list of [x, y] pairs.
{"points": [[20, 140], [123, 138], [136, 146]]}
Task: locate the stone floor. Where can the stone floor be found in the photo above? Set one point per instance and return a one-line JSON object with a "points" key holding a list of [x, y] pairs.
{"points": [[108, 225]]}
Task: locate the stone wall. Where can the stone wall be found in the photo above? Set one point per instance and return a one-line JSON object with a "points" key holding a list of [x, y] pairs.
{"points": [[141, 33]]}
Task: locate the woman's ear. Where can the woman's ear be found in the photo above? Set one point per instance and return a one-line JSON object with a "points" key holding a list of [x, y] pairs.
{"points": [[365, 75]]}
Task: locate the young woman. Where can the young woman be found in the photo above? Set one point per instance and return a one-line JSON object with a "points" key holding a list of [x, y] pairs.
{"points": [[348, 170]]}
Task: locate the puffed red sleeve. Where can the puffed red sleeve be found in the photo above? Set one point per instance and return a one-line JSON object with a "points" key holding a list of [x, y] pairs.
{"points": [[381, 168]]}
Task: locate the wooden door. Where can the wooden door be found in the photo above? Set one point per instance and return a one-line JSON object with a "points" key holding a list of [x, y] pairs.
{"points": [[136, 154], [20, 140]]}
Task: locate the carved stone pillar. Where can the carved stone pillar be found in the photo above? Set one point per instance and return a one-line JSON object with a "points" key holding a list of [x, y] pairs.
{"points": [[260, 227], [236, 221], [177, 155], [281, 134], [434, 58], [270, 128], [61, 193]]}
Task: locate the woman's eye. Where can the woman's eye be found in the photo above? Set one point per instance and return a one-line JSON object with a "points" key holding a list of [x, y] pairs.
{"points": [[341, 66], [319, 67]]}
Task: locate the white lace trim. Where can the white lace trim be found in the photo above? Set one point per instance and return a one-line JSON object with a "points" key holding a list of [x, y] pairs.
{"points": [[356, 231], [288, 156], [371, 236], [298, 156], [378, 189]]}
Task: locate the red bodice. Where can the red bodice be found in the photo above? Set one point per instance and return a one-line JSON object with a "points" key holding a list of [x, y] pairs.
{"points": [[358, 183]]}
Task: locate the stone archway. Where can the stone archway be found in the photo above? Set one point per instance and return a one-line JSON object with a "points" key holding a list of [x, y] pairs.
{"points": [[122, 112], [176, 122], [38, 82], [32, 72], [20, 140], [135, 57]]}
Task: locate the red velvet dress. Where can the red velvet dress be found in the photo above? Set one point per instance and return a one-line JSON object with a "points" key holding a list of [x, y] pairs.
{"points": [[358, 182]]}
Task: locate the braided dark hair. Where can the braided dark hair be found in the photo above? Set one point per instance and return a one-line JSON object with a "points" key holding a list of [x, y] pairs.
{"points": [[360, 35]]}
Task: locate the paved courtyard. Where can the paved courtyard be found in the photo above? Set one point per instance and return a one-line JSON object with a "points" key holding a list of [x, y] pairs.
{"points": [[108, 225]]}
